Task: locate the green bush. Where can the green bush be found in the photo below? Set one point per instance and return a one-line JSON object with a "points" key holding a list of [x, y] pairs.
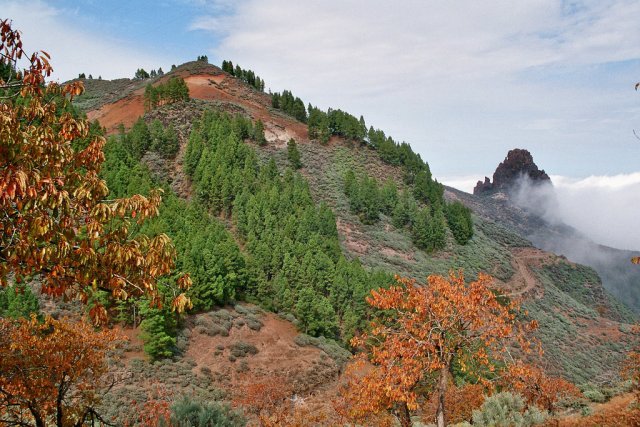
{"points": [[18, 301], [242, 349], [189, 413], [339, 354], [594, 395], [507, 410]]}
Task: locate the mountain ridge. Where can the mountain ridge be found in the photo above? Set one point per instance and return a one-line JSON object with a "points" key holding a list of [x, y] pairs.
{"points": [[498, 246]]}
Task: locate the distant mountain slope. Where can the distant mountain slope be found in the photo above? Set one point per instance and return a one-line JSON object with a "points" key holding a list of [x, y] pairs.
{"points": [[579, 321], [501, 204]]}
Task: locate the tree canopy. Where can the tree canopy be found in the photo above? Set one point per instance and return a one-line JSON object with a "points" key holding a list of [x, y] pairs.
{"points": [[58, 223], [51, 372], [422, 332]]}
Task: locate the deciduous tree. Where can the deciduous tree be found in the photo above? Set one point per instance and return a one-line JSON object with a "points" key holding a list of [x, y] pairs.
{"points": [[56, 220], [536, 387], [51, 372], [420, 331]]}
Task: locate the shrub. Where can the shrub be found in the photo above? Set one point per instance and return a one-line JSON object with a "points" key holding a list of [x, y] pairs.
{"points": [[242, 349], [189, 413], [506, 410], [254, 323], [243, 367], [339, 354], [594, 395]]}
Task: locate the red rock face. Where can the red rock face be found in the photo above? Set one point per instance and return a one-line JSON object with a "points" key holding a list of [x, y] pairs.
{"points": [[518, 162]]}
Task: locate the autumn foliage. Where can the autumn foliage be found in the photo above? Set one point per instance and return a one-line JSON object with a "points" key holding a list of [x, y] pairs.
{"points": [[459, 401], [537, 388], [267, 399], [56, 220], [420, 331], [52, 372], [271, 400]]}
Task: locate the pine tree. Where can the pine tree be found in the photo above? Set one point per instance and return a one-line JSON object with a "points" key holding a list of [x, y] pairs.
{"points": [[158, 328], [315, 314], [421, 229], [293, 154], [438, 229], [18, 301], [388, 197], [459, 221], [258, 133]]}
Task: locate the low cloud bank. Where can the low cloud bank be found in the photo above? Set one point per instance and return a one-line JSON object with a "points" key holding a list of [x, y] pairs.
{"points": [[604, 208]]}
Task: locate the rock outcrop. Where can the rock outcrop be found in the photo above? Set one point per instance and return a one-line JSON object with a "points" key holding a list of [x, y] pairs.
{"points": [[518, 163]]}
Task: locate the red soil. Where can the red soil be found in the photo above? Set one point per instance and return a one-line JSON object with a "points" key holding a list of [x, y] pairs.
{"points": [[212, 86]]}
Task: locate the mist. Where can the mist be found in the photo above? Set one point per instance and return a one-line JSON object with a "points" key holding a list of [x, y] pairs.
{"points": [[603, 208]]}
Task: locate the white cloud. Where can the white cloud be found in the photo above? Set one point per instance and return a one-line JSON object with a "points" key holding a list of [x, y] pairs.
{"points": [[74, 50], [462, 81], [464, 183], [604, 208]]}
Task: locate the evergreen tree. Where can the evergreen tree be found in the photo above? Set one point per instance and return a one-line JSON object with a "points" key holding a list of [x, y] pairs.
{"points": [[459, 221], [293, 154], [438, 229], [18, 301], [315, 314], [139, 138], [158, 330], [364, 197], [388, 197], [421, 229], [141, 74], [258, 133]]}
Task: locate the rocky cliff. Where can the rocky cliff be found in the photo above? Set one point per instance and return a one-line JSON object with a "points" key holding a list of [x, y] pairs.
{"points": [[518, 163]]}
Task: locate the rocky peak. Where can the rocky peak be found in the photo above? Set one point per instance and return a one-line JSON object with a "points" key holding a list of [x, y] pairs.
{"points": [[518, 162]]}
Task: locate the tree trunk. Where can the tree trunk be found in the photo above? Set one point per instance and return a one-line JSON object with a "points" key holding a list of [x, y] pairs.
{"points": [[403, 414], [442, 390], [36, 417], [59, 402]]}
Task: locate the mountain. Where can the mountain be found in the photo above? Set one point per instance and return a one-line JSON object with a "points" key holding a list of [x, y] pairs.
{"points": [[518, 163], [310, 249], [523, 197]]}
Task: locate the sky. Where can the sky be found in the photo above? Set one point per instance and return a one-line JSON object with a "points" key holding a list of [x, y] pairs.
{"points": [[463, 82]]}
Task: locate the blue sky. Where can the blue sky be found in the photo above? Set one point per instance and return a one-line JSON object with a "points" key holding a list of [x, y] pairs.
{"points": [[463, 82]]}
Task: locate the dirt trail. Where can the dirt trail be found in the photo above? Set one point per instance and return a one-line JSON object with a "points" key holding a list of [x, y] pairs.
{"points": [[524, 283]]}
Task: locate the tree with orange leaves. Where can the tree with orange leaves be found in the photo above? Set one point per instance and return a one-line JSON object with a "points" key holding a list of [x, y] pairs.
{"points": [[460, 402], [420, 331], [536, 387], [271, 400], [268, 398], [56, 222], [52, 372]]}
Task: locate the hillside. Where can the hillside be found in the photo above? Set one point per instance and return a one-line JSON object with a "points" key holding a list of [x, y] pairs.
{"points": [[584, 330], [500, 202]]}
